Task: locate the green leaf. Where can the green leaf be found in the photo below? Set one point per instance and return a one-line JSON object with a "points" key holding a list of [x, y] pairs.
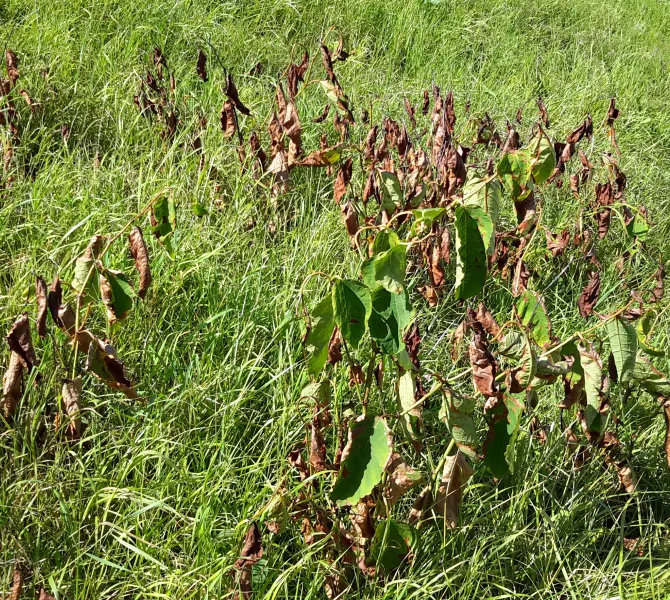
{"points": [[392, 544], [424, 219], [352, 306], [411, 420], [456, 413], [638, 227], [391, 313], [527, 366], [643, 328], [367, 452], [543, 159], [623, 341], [392, 197], [484, 191], [85, 281], [318, 337], [514, 170], [650, 378], [117, 293], [498, 447], [470, 251], [384, 240], [593, 386], [533, 314], [389, 268], [164, 221]]}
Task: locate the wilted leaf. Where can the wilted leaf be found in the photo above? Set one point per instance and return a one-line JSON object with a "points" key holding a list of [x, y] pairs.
{"points": [[543, 160], [392, 197], [594, 387], [21, 343], [557, 243], [103, 362], [533, 315], [515, 171], [163, 219], [392, 544], [471, 260], [543, 111], [410, 412], [17, 579], [455, 475], [252, 552], [483, 364], [504, 421], [231, 92], [352, 306], [41, 298], [12, 64], [138, 250], [400, 480], [343, 179], [623, 341], [589, 296], [228, 120], [363, 460], [317, 449], [456, 413], [319, 335], [659, 289], [484, 317], [650, 378], [85, 282], [484, 191], [201, 66], [12, 386], [72, 404]]}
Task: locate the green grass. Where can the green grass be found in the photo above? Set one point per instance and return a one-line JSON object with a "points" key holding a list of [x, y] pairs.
{"points": [[154, 501]]}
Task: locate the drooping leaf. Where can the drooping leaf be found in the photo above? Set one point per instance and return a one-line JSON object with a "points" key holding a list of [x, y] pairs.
{"points": [[71, 393], [424, 219], [103, 362], [251, 553], [483, 364], [117, 293], [363, 460], [623, 341], [163, 219], [470, 251], [401, 479], [455, 475], [498, 448], [543, 159], [201, 65], [392, 544], [85, 282], [643, 329], [515, 171], [41, 298], [21, 343], [389, 268], [410, 418], [12, 386], [523, 374], [231, 91], [456, 413], [391, 314], [484, 191], [650, 378], [533, 315], [319, 335], [138, 250], [352, 306], [392, 197], [589, 296], [594, 386]]}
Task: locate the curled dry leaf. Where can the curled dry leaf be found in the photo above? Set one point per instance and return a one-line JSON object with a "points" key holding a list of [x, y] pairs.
{"points": [[659, 289], [21, 343], [252, 552], [421, 507], [430, 294], [401, 479], [12, 64], [45, 596], [590, 294], [17, 584], [201, 66], [543, 111], [335, 347], [317, 450], [71, 393], [484, 317], [557, 242], [138, 250], [41, 298], [104, 363], [322, 115], [350, 218], [483, 363], [12, 386], [296, 74], [604, 198], [231, 92], [228, 120], [343, 179], [455, 475]]}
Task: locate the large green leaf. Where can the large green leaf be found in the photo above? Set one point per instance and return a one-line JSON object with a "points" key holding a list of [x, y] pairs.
{"points": [[389, 268], [533, 314], [456, 412], [384, 240], [484, 191], [318, 337], [392, 544], [391, 313], [514, 169], [367, 452], [117, 293], [352, 306], [623, 341], [498, 447], [85, 281], [411, 415], [470, 251], [543, 159], [392, 197], [593, 386]]}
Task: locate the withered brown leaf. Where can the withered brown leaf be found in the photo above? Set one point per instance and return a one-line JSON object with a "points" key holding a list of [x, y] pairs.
{"points": [[41, 298], [659, 289], [343, 178], [426, 102], [228, 121], [71, 393], [17, 582], [104, 363], [350, 218], [317, 449], [231, 92], [482, 362], [557, 242], [543, 111], [455, 475], [484, 317], [401, 479], [323, 115], [20, 342], [55, 299], [666, 444], [409, 109], [412, 340], [252, 552], [590, 294], [12, 63], [201, 66], [12, 386], [430, 294], [335, 347], [296, 74], [138, 250]]}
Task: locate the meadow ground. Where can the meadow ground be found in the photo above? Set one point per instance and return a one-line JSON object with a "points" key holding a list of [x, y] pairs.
{"points": [[154, 500]]}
